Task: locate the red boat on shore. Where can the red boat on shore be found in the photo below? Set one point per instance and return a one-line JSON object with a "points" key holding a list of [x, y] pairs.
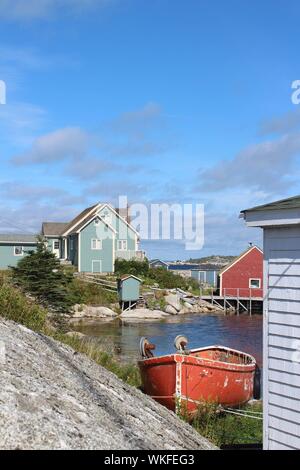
{"points": [[186, 379]]}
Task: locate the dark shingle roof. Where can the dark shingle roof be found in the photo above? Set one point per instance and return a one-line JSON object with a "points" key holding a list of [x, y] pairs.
{"points": [[289, 203], [78, 218], [17, 238], [53, 228]]}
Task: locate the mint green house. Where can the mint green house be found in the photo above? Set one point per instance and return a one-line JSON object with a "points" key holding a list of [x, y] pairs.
{"points": [[92, 241]]}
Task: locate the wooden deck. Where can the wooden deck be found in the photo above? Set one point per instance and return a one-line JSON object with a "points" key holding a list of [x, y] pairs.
{"points": [[239, 303]]}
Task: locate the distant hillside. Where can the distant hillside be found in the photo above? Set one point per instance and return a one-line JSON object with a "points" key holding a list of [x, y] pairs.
{"points": [[213, 259]]}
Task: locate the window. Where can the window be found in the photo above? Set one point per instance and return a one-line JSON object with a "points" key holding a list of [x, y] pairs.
{"points": [[71, 244], [56, 245], [122, 245], [254, 283], [18, 251], [96, 244]]}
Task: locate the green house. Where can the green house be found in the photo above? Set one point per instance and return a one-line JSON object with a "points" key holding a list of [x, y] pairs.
{"points": [[91, 241], [129, 288]]}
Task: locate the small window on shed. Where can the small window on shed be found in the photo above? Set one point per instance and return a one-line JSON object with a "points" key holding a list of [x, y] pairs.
{"points": [[96, 244], [254, 283], [18, 251]]}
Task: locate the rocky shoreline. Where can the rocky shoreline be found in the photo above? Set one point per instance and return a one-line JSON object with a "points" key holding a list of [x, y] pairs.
{"points": [[166, 305]]}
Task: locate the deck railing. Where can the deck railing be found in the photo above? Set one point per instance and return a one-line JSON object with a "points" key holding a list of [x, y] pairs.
{"points": [[130, 254], [232, 292]]}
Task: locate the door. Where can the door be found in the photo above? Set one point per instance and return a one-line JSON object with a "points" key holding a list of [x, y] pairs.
{"points": [[56, 248], [96, 266]]}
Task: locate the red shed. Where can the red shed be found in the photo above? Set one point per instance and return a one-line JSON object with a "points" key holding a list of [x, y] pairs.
{"points": [[243, 277]]}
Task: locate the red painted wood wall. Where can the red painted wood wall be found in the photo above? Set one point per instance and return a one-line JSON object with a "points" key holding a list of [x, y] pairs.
{"points": [[239, 274]]}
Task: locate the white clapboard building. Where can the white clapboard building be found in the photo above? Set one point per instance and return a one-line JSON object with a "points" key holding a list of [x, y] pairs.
{"points": [[281, 375]]}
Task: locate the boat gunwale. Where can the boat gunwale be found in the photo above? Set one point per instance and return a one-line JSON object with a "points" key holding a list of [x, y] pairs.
{"points": [[235, 367]]}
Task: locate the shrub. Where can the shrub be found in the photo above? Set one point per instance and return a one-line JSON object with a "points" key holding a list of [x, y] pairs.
{"points": [[41, 274], [92, 294], [134, 267], [15, 306]]}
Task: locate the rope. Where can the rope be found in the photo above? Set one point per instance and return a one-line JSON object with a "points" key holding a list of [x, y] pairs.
{"points": [[246, 411], [242, 414]]}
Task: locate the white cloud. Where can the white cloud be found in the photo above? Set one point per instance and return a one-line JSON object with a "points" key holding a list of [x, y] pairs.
{"points": [[282, 124], [267, 166], [70, 142]]}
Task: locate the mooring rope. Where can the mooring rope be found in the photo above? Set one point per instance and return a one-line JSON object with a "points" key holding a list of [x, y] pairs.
{"points": [[245, 415]]}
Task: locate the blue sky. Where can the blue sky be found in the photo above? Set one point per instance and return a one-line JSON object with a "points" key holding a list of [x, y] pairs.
{"points": [[163, 101]]}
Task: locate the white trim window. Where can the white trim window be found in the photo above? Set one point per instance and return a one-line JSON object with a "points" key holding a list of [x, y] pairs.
{"points": [[122, 245], [56, 245], [18, 251], [96, 244], [254, 283]]}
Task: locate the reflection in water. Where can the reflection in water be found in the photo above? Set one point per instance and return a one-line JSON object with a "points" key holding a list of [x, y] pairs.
{"points": [[238, 332]]}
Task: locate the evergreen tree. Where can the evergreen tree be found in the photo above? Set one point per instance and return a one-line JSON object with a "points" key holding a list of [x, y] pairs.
{"points": [[41, 274]]}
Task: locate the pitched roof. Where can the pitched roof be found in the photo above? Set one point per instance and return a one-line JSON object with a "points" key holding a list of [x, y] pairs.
{"points": [[238, 258], [288, 203], [18, 238], [73, 224], [53, 228]]}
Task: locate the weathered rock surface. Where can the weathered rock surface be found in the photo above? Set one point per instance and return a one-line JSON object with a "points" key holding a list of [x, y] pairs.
{"points": [[54, 398], [171, 310], [143, 314], [76, 334], [173, 300], [89, 311]]}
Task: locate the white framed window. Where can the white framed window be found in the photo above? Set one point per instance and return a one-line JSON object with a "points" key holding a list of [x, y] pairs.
{"points": [[56, 245], [254, 283], [96, 244], [18, 251], [122, 245]]}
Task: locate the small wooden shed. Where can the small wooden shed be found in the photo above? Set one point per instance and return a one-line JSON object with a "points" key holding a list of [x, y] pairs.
{"points": [[129, 288], [280, 221]]}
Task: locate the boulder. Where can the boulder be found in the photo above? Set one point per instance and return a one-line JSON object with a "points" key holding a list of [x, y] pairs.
{"points": [[53, 398], [174, 301], [171, 310], [76, 334], [189, 306], [89, 311], [143, 314]]}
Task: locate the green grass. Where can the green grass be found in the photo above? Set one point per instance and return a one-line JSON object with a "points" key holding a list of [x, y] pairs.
{"points": [[90, 294], [223, 428], [14, 305], [129, 373]]}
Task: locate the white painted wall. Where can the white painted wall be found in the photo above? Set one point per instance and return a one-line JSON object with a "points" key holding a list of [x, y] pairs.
{"points": [[282, 337]]}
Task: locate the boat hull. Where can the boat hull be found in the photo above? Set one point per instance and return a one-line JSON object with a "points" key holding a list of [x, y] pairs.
{"points": [[180, 381]]}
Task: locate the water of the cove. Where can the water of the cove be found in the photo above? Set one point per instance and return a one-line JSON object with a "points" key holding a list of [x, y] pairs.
{"points": [[239, 332]]}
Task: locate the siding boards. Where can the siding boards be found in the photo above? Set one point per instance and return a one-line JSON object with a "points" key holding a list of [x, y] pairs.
{"points": [[281, 336], [284, 293], [284, 318], [285, 281], [284, 425], [292, 332], [291, 306], [292, 442], [285, 390], [280, 353], [284, 269], [284, 413], [284, 402]]}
